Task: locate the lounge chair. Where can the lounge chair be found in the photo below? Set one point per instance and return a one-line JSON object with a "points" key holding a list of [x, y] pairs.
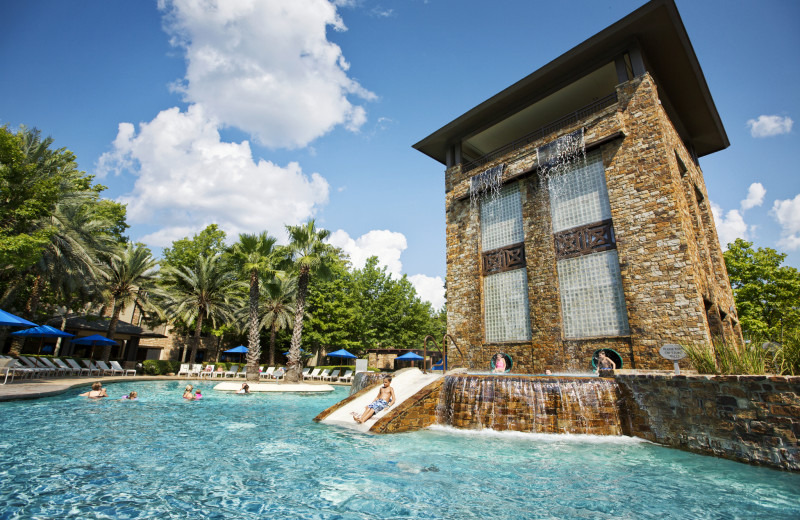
{"points": [[313, 374], [333, 376], [74, 364], [234, 371], [11, 366], [37, 369], [49, 364], [88, 364], [267, 374], [109, 370], [306, 371], [347, 377], [184, 369], [208, 372], [278, 374], [196, 370], [322, 375], [67, 368], [125, 371]]}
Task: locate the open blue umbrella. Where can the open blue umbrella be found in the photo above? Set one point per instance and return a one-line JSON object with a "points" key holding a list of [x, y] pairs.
{"points": [[93, 341], [6, 318], [342, 353], [42, 331], [241, 349], [409, 356]]}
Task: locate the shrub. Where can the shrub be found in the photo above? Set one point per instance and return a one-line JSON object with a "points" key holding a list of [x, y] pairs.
{"points": [[157, 367], [702, 358], [787, 356]]}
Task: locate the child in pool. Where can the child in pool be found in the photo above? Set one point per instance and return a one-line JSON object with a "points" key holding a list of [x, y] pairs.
{"points": [[197, 395], [133, 396]]}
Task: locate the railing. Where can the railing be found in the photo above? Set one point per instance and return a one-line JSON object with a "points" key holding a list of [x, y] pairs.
{"points": [[539, 133], [442, 350]]}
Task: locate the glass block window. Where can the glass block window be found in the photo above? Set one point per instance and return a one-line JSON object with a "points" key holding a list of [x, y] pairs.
{"points": [[501, 218], [592, 300], [506, 306], [579, 196]]}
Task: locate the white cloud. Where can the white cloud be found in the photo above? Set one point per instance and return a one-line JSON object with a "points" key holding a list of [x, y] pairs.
{"points": [[266, 68], [730, 226], [429, 288], [787, 213], [188, 177], [768, 126], [386, 245], [755, 196]]}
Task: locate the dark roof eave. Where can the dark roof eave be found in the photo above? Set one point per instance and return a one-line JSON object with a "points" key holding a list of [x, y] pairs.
{"points": [[650, 25]]}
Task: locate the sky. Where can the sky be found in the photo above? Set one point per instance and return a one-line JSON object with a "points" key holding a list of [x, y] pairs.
{"points": [[255, 114]]}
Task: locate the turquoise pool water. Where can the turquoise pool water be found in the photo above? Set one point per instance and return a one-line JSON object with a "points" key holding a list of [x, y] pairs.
{"points": [[260, 456]]}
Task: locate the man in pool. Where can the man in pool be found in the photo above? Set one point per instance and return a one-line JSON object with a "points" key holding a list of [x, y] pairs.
{"points": [[385, 399]]}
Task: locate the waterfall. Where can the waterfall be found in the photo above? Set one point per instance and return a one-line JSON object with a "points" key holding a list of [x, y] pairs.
{"points": [[488, 182], [585, 405]]}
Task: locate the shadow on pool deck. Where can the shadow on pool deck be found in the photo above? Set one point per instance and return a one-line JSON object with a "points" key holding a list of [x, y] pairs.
{"points": [[50, 386]]}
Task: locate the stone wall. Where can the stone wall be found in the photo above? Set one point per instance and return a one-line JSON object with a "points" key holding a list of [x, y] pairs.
{"points": [[673, 274], [753, 419], [415, 413]]}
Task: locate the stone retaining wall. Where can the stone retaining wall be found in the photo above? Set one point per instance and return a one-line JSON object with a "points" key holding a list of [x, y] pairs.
{"points": [[415, 413], [753, 419]]}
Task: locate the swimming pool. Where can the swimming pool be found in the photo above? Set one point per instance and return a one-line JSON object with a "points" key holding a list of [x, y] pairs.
{"points": [[261, 456]]}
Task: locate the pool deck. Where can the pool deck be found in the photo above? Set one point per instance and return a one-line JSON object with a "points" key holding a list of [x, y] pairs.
{"points": [[50, 386]]}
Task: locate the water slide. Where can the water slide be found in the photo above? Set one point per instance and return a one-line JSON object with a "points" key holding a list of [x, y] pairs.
{"points": [[406, 383]]}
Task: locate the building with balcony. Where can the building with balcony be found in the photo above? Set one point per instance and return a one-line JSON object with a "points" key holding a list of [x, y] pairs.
{"points": [[577, 214]]}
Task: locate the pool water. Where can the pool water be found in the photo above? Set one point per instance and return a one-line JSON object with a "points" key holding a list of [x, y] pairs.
{"points": [[260, 456]]}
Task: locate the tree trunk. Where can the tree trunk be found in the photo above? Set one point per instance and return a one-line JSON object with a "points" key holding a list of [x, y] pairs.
{"points": [[294, 372], [253, 340], [112, 330], [33, 300], [196, 343], [57, 350], [273, 332]]}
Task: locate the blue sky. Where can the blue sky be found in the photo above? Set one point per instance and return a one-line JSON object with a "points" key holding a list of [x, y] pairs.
{"points": [[266, 113]]}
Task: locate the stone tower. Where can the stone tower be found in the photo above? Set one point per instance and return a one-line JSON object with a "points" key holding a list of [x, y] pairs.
{"points": [[577, 214]]}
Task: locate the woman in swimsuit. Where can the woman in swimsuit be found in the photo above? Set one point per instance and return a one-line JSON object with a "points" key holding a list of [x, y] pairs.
{"points": [[96, 392], [187, 392], [385, 399]]}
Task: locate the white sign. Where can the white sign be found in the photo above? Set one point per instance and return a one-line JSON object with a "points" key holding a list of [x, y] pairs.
{"points": [[672, 352]]}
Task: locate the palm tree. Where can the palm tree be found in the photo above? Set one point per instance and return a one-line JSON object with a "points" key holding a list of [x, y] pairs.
{"points": [[278, 306], [197, 294], [128, 275], [253, 255], [311, 256]]}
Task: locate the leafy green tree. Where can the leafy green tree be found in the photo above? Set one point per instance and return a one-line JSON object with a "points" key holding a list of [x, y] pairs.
{"points": [[311, 256], [252, 256], [202, 292], [126, 279], [277, 307], [767, 293], [335, 313], [186, 251]]}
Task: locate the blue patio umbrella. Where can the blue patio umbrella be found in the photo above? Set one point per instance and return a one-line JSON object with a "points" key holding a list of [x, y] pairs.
{"points": [[42, 331], [241, 349], [342, 353], [409, 356], [93, 341], [6, 318]]}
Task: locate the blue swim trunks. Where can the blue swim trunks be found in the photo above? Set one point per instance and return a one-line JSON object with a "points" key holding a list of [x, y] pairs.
{"points": [[378, 405]]}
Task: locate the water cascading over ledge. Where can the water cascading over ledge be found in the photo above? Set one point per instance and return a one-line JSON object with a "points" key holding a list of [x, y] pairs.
{"points": [[580, 405]]}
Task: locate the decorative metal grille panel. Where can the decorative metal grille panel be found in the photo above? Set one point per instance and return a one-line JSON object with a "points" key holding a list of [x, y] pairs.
{"points": [[579, 196], [506, 306], [503, 259], [501, 218], [592, 300], [583, 240]]}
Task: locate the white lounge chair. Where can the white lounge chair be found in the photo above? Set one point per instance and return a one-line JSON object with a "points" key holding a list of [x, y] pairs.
{"points": [[278, 374], [74, 364], [67, 369], [184, 369], [109, 370], [208, 372], [37, 369], [196, 370], [49, 364], [306, 371], [313, 374], [322, 375], [233, 372], [11, 366], [125, 371], [332, 376], [267, 374], [88, 364], [347, 377]]}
